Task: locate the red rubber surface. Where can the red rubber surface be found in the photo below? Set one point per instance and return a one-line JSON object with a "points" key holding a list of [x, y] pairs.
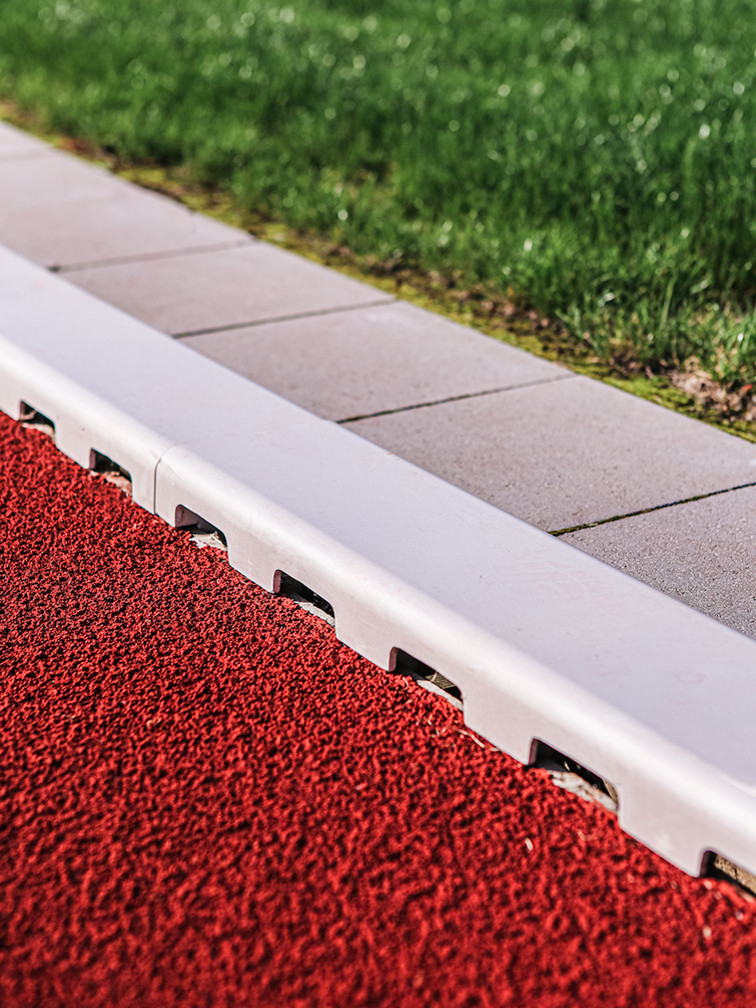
{"points": [[206, 800]]}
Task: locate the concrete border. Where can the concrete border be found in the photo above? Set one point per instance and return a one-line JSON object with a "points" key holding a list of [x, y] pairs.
{"points": [[544, 642]]}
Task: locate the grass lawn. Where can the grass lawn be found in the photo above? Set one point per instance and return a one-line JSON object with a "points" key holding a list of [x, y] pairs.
{"points": [[593, 160]]}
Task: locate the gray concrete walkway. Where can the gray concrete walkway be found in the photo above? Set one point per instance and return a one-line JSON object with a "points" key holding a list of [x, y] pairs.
{"points": [[556, 449]]}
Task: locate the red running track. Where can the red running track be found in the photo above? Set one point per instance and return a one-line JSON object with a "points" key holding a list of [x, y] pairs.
{"points": [[206, 800]]}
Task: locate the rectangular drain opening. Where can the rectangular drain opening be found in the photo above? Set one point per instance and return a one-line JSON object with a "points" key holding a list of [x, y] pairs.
{"points": [[304, 597], [202, 532], [405, 664], [572, 776], [110, 471], [717, 867], [31, 417]]}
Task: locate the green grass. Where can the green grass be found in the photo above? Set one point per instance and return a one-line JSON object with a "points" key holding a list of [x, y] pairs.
{"points": [[593, 159]]}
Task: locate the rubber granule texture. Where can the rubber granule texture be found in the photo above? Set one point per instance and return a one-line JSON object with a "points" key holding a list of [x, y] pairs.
{"points": [[206, 800]]}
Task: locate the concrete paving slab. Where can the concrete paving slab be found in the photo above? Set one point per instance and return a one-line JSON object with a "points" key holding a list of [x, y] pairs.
{"points": [[59, 211], [702, 553], [566, 453], [380, 358], [226, 287], [14, 143]]}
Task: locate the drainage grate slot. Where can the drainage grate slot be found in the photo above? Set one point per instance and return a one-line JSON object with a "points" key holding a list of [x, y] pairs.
{"points": [[31, 417], [304, 597], [572, 776], [427, 677], [202, 532], [110, 471], [717, 867]]}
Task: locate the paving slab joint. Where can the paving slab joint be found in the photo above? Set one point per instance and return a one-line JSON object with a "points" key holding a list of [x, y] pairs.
{"points": [[649, 510], [315, 313], [457, 398], [147, 257]]}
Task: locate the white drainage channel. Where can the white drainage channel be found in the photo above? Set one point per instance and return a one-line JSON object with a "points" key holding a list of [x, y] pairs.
{"points": [[551, 650]]}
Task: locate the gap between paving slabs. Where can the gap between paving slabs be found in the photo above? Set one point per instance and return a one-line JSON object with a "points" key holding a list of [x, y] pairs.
{"points": [[650, 510], [310, 313], [147, 257], [454, 398]]}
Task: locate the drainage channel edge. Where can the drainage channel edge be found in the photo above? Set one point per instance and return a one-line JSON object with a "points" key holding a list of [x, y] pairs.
{"points": [[548, 647]]}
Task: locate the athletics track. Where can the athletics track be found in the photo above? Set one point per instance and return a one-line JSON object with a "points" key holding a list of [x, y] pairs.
{"points": [[207, 800]]}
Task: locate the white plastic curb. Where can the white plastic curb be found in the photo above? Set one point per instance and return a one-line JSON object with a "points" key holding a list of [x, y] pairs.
{"points": [[544, 642]]}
